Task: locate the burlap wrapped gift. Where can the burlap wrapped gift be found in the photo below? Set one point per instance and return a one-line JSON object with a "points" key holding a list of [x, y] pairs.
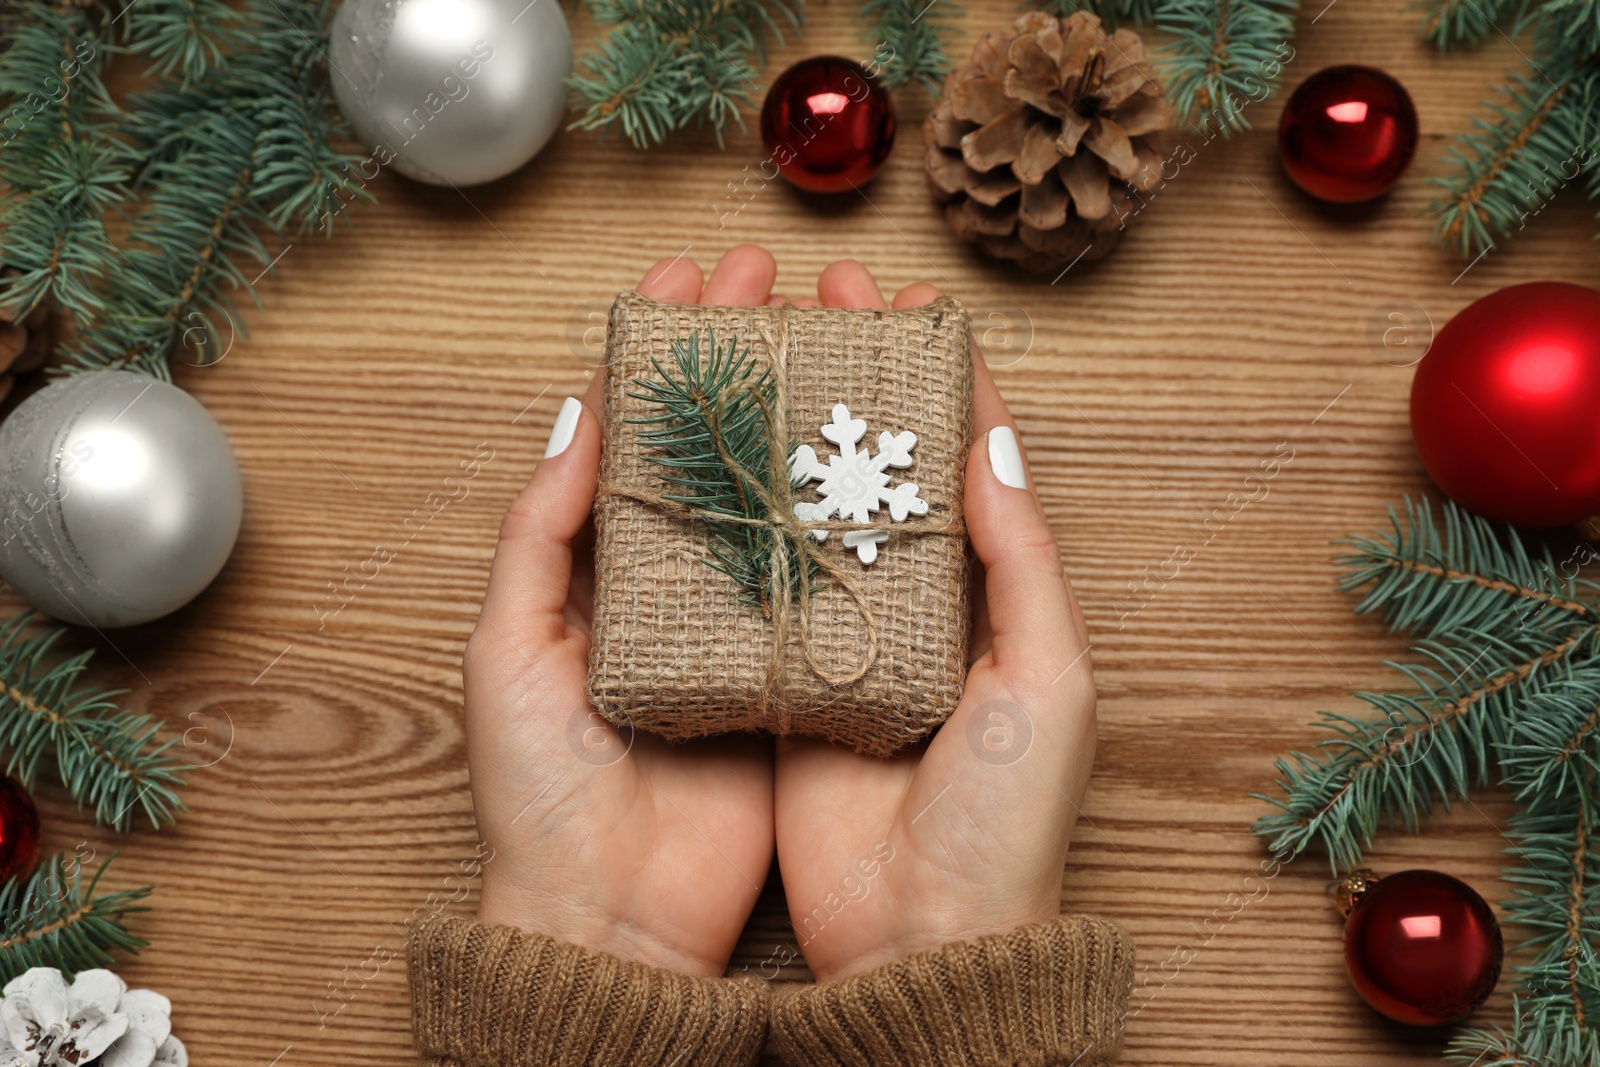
{"points": [[676, 651]]}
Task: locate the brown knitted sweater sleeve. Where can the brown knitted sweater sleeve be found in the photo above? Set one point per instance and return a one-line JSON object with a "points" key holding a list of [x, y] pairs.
{"points": [[1046, 995], [492, 996]]}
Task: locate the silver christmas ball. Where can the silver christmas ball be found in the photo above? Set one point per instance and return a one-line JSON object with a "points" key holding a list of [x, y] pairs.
{"points": [[120, 499], [452, 92]]}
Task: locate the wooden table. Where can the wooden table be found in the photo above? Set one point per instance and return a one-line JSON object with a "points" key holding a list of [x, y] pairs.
{"points": [[1233, 318]]}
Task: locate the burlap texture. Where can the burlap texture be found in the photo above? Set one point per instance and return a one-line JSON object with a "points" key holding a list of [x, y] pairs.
{"points": [[675, 651]]}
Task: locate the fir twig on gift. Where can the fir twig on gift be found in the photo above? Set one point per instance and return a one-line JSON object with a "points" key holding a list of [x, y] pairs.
{"points": [[711, 413], [1505, 687]]}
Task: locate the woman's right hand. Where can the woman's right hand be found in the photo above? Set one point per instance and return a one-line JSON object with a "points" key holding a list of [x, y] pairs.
{"points": [[967, 835]]}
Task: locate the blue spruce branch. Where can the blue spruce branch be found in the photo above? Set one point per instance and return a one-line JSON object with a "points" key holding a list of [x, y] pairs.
{"points": [[227, 154], [109, 759], [1536, 141], [1224, 56], [56, 919], [1507, 687]]}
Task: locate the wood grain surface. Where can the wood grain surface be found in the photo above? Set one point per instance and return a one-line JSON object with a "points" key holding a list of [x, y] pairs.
{"points": [[1233, 321]]}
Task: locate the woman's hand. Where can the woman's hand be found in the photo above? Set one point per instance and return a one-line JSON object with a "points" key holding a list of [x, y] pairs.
{"points": [[621, 844], [656, 852], [967, 835]]}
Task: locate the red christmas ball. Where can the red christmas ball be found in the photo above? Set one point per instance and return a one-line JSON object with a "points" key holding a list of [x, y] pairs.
{"points": [[1347, 133], [827, 124], [19, 832], [1422, 948], [1503, 406]]}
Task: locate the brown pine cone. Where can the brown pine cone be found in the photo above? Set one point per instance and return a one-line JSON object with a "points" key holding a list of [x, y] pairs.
{"points": [[25, 343], [1031, 147]]}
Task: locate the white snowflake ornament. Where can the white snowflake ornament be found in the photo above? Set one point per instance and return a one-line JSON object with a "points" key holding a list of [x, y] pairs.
{"points": [[44, 1022], [856, 484]]}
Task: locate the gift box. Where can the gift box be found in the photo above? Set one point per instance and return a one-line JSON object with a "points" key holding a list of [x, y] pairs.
{"points": [[803, 569]]}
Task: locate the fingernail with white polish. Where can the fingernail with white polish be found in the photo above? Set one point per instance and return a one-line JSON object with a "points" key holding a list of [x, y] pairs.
{"points": [[1004, 459], [567, 424]]}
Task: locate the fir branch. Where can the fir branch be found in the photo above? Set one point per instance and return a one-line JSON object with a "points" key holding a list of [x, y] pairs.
{"points": [[1509, 167], [55, 920], [1112, 13], [107, 758], [1428, 746], [1227, 53], [224, 162], [908, 39], [712, 430], [1558, 899], [184, 38], [51, 80], [1513, 685], [1558, 896], [1544, 1033], [183, 259], [1562, 25], [1554, 747], [58, 251], [278, 88], [1540, 138], [1466, 576], [60, 167], [666, 64], [1451, 22]]}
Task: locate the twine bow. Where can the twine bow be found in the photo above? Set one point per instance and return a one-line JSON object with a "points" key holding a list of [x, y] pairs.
{"points": [[793, 547]]}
